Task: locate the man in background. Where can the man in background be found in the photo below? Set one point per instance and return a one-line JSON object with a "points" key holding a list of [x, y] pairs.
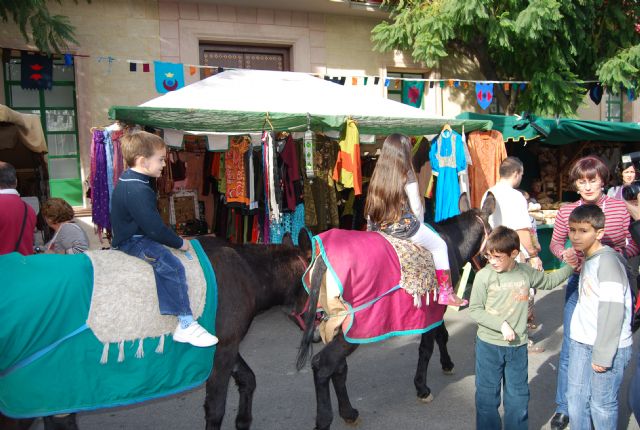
{"points": [[17, 219]]}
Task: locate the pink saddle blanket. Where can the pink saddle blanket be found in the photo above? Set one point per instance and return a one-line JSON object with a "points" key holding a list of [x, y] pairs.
{"points": [[363, 296]]}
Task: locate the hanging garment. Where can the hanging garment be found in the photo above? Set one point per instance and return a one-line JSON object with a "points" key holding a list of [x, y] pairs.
{"points": [[108, 144], [447, 161], [487, 153], [347, 170], [118, 159], [36, 71], [100, 189], [290, 222], [321, 202], [237, 192], [290, 171], [272, 182]]}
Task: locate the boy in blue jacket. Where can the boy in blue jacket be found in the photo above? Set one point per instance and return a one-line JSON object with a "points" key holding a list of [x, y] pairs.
{"points": [[139, 231]]}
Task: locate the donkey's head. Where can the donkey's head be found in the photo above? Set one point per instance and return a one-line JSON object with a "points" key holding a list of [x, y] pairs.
{"points": [[292, 270]]}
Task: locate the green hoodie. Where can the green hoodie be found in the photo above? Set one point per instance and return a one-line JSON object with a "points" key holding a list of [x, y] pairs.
{"points": [[498, 297]]}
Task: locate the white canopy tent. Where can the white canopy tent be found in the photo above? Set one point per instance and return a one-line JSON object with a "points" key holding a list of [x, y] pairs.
{"points": [[253, 100]]}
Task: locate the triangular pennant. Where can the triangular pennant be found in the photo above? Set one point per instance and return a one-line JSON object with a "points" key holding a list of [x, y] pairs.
{"points": [[192, 70], [68, 59], [456, 84], [366, 79], [595, 93], [523, 87], [431, 84], [396, 84], [168, 76], [484, 94], [376, 80], [441, 84], [387, 82], [354, 81], [451, 83]]}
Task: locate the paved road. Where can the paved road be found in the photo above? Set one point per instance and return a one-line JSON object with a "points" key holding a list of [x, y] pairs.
{"points": [[380, 383]]}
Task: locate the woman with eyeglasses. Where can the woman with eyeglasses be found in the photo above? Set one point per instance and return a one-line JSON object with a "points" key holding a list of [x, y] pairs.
{"points": [[588, 175]]}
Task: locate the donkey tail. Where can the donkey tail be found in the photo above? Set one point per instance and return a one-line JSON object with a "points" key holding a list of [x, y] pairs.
{"points": [[306, 345]]}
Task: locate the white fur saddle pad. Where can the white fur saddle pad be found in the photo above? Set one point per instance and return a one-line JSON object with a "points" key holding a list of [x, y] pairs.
{"points": [[124, 303]]}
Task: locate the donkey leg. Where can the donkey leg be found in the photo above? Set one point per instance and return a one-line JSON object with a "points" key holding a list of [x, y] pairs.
{"points": [[246, 382], [215, 400], [7, 423], [424, 355], [348, 413], [324, 365], [442, 337], [66, 422]]}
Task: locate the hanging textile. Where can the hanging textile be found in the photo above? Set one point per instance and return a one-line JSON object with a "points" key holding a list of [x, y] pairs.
{"points": [[108, 144], [347, 170], [412, 92], [236, 171], [290, 173], [270, 172], [321, 202], [100, 188], [290, 222], [487, 151], [118, 160], [36, 71], [447, 161]]}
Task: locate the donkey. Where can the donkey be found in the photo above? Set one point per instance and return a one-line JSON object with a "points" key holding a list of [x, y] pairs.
{"points": [[465, 235], [251, 279]]}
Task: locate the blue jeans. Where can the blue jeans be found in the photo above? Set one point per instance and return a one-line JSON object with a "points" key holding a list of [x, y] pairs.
{"points": [[570, 302], [497, 367], [593, 396], [634, 391], [171, 281]]}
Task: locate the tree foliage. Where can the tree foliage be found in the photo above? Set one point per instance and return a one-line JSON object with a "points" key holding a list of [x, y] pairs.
{"points": [[555, 44], [50, 33]]}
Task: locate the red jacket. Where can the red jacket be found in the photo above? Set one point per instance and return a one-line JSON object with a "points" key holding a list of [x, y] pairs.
{"points": [[11, 216]]}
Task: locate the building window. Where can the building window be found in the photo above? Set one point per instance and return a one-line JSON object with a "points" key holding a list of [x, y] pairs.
{"points": [[58, 115], [244, 57], [394, 90], [614, 107]]}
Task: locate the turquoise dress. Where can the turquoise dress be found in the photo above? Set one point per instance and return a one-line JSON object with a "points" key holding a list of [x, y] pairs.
{"points": [[447, 162]]}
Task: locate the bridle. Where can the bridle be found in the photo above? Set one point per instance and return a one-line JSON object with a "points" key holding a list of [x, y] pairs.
{"points": [[475, 260]]}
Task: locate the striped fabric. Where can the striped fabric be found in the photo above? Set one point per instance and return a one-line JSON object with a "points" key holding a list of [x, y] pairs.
{"points": [[616, 227]]}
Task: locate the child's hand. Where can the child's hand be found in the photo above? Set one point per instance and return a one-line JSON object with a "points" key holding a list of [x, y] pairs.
{"points": [[507, 332], [598, 369], [570, 257], [185, 245]]}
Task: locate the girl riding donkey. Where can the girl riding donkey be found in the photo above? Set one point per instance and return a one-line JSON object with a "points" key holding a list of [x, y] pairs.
{"points": [[394, 206]]}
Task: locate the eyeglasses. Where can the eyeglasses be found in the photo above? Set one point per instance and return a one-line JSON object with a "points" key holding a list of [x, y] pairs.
{"points": [[582, 183]]}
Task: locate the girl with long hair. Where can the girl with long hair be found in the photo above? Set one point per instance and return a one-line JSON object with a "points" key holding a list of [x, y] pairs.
{"points": [[394, 207]]}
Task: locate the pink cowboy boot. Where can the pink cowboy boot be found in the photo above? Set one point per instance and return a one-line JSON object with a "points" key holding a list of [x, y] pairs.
{"points": [[446, 295]]}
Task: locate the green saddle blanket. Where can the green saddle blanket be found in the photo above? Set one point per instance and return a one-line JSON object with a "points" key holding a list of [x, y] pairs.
{"points": [[50, 360]]}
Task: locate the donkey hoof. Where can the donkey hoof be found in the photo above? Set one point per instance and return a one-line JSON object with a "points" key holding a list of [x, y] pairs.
{"points": [[353, 422], [316, 336], [448, 371], [427, 399]]}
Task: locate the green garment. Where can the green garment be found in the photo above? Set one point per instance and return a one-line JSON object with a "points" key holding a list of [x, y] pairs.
{"points": [[498, 297], [50, 360]]}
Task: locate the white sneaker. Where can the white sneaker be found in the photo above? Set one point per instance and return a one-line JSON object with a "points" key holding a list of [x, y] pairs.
{"points": [[195, 334]]}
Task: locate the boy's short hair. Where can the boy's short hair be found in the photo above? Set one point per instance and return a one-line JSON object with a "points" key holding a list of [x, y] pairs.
{"points": [[8, 178], [591, 214], [140, 144], [503, 240], [57, 210], [510, 166]]}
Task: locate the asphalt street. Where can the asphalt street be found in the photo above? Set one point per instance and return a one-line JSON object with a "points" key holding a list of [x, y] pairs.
{"points": [[380, 382]]}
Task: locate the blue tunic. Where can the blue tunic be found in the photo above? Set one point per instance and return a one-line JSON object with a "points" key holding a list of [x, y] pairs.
{"points": [[447, 162]]}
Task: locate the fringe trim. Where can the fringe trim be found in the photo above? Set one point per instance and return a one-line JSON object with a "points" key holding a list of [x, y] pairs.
{"points": [[160, 347], [121, 351], [416, 300], [140, 350], [105, 353]]}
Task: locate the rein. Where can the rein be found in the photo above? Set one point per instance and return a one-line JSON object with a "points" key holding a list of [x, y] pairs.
{"points": [[474, 260]]}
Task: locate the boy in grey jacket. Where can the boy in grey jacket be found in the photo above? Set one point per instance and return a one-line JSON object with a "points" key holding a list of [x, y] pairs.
{"points": [[600, 330]]}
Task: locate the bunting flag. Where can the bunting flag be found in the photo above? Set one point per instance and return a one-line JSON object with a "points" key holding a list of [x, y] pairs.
{"points": [[412, 92], [36, 71], [192, 70], [68, 59], [132, 67], [396, 84], [631, 94], [145, 67], [484, 94], [387, 82], [376, 80], [168, 76], [595, 93], [354, 81]]}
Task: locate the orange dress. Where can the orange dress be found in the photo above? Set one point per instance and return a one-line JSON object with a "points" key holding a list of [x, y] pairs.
{"points": [[487, 152]]}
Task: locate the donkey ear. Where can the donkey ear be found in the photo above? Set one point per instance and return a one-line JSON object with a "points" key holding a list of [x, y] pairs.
{"points": [[463, 202], [489, 204], [287, 241], [304, 242]]}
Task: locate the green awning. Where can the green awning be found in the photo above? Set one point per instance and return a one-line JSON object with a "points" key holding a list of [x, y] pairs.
{"points": [[559, 132]]}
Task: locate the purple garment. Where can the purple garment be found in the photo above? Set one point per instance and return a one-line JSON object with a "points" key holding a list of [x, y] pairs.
{"points": [[100, 190], [118, 161]]}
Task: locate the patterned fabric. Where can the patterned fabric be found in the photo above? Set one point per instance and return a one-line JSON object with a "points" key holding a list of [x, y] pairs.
{"points": [[290, 222], [100, 188], [362, 293], [404, 228], [417, 271]]}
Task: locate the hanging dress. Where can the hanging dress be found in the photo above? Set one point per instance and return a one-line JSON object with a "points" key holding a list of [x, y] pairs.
{"points": [[447, 162]]}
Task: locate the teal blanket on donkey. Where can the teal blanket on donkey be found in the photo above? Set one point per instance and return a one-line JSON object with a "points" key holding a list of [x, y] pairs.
{"points": [[50, 360]]}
